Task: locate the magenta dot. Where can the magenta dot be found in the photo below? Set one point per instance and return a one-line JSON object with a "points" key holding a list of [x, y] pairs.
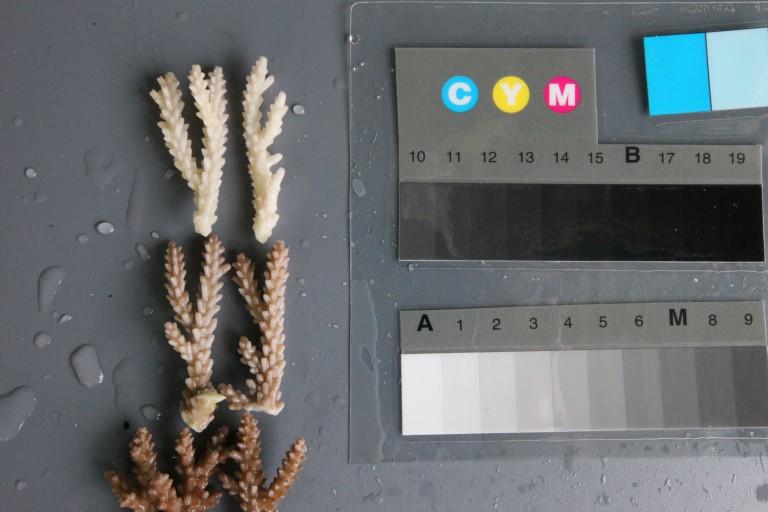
{"points": [[562, 94]]}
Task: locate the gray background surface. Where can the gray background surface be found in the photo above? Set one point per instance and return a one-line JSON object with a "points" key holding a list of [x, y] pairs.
{"points": [[74, 81]]}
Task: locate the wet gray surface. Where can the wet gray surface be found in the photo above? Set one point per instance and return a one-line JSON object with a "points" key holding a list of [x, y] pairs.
{"points": [[74, 108]]}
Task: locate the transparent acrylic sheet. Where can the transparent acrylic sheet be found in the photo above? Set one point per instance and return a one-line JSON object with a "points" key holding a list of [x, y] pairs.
{"points": [[381, 285]]}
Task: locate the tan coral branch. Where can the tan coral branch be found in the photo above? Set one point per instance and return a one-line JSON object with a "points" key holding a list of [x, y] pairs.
{"points": [[155, 490], [267, 364], [198, 323], [247, 483]]}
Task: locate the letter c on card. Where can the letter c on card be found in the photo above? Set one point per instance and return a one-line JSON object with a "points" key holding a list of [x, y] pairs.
{"points": [[511, 94], [460, 94]]}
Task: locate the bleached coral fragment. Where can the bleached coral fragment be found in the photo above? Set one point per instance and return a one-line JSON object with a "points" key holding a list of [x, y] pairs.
{"points": [[258, 138], [205, 181]]}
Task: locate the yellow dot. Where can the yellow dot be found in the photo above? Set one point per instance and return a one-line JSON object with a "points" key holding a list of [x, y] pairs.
{"points": [[511, 94]]}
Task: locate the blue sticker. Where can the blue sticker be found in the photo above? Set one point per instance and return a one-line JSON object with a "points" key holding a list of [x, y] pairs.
{"points": [[460, 94]]}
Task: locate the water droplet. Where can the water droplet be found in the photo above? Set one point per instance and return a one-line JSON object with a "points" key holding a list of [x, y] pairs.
{"points": [[128, 265], [20, 485], [47, 285], [125, 377], [142, 251], [365, 355], [134, 211], [85, 363], [18, 121], [155, 235], [105, 228], [30, 173], [100, 169], [82, 239], [41, 339], [181, 16], [304, 243], [303, 294], [65, 318], [40, 197], [298, 109], [411, 267], [150, 412], [300, 280], [358, 187], [169, 173], [15, 408], [147, 311], [353, 39]]}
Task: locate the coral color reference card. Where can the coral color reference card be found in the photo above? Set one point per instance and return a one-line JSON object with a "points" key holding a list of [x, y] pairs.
{"points": [[499, 160], [584, 368]]}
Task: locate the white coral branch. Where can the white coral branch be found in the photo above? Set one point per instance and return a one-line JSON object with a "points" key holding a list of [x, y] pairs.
{"points": [[266, 185], [205, 181]]}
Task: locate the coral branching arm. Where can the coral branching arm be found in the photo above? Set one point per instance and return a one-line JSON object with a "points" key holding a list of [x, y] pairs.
{"points": [[205, 181], [247, 483], [195, 473], [258, 138], [155, 491], [199, 323], [268, 311]]}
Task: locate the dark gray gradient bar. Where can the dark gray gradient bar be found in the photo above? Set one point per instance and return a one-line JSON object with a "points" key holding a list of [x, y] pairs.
{"points": [[715, 383], [678, 380], [482, 221], [750, 380]]}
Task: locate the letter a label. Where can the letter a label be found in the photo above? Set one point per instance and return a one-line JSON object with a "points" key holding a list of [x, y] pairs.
{"points": [[424, 323]]}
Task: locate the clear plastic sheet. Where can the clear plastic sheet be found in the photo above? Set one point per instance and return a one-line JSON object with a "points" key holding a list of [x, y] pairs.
{"points": [[382, 285]]}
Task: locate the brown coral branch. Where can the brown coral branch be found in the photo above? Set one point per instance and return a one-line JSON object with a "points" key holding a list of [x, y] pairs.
{"points": [[199, 323], [247, 484], [155, 491], [268, 310]]}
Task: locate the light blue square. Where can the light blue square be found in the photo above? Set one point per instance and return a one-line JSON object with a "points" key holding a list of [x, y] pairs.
{"points": [[676, 73], [738, 68]]}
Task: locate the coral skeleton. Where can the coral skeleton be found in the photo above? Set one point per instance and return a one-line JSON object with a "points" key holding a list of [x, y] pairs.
{"points": [[248, 484], [258, 138], [204, 180], [154, 490], [267, 308], [199, 323]]}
